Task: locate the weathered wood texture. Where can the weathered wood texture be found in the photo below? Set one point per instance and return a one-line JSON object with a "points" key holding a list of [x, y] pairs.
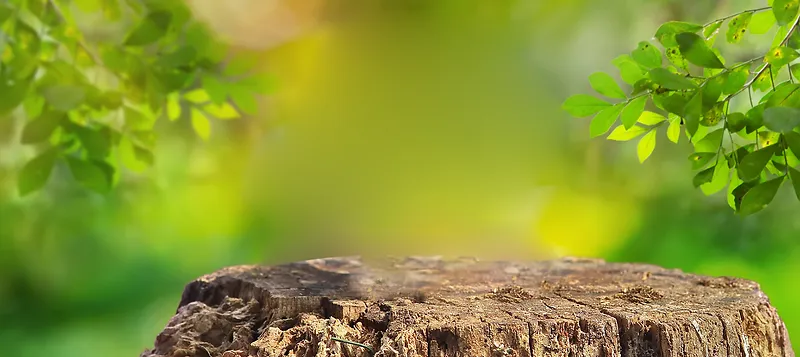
{"points": [[433, 307]]}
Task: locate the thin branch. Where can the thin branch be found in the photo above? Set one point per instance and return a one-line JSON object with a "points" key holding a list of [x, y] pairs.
{"points": [[737, 14], [771, 78], [785, 160], [730, 69], [368, 348], [95, 58], [766, 66]]}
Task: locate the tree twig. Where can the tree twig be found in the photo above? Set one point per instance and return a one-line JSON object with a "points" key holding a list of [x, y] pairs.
{"points": [[766, 66], [95, 58], [765, 8]]}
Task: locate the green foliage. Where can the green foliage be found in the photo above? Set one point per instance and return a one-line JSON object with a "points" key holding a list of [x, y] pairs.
{"points": [[742, 119], [90, 98]]}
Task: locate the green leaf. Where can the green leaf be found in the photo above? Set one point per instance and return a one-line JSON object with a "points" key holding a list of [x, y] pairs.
{"points": [[650, 118], [782, 90], [33, 106], [221, 111], [735, 80], [701, 159], [669, 80], [693, 112], [628, 69], [603, 121], [781, 119], [182, 56], [674, 130], [713, 116], [753, 163], [646, 146], [795, 69], [35, 173], [762, 22], [643, 85], [579, 105], [676, 58], [701, 134], [90, 174], [199, 96], [604, 84], [758, 197], [695, 50], [739, 191], [201, 124], [755, 118], [151, 29], [786, 94], [767, 138], [793, 140], [781, 56], [245, 99], [734, 201], [710, 31], [97, 142], [218, 93], [64, 97], [703, 177], [777, 40], [111, 100], [785, 10], [711, 142], [736, 122], [763, 82], [712, 90], [737, 27], [666, 33], [622, 134], [632, 111], [793, 41], [136, 120], [647, 55], [795, 176], [718, 181], [673, 102], [168, 80], [42, 128], [12, 94], [173, 106], [26, 38], [134, 157], [776, 166], [5, 12]]}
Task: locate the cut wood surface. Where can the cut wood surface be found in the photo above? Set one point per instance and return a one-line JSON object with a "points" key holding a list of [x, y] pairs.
{"points": [[423, 306]]}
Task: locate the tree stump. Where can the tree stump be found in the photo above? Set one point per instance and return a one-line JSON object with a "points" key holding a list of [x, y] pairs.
{"points": [[433, 307]]}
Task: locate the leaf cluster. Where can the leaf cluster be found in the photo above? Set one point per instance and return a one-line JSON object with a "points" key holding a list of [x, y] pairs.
{"points": [[90, 102], [683, 85]]}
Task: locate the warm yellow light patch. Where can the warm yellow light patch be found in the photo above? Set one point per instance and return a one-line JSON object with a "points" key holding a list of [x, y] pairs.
{"points": [[580, 224]]}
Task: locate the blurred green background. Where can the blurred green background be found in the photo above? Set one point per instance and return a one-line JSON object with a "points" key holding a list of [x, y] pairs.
{"points": [[395, 127]]}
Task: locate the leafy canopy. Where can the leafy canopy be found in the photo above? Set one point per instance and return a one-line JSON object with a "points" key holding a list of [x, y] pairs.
{"points": [[92, 77], [742, 118]]}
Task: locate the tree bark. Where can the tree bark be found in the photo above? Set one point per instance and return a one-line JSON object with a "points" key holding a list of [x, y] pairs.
{"points": [[433, 307]]}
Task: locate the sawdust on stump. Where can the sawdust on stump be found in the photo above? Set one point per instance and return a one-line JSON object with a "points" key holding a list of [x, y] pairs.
{"points": [[434, 307]]}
